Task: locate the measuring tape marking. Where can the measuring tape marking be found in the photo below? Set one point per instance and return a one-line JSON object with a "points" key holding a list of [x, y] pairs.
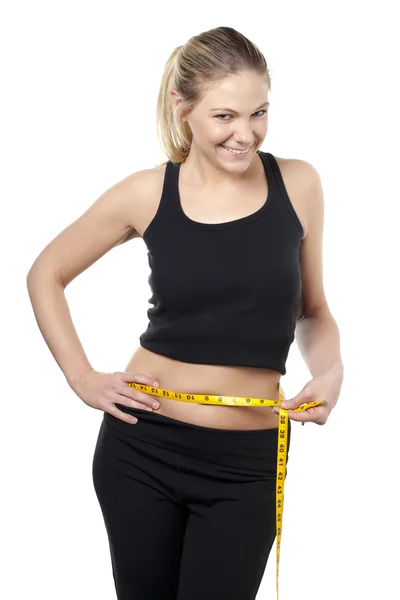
{"points": [[283, 423]]}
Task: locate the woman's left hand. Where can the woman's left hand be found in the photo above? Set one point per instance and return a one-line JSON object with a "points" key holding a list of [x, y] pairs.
{"points": [[324, 388]]}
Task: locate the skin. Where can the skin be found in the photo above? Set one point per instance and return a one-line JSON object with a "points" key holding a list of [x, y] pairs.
{"points": [[208, 165], [215, 187]]}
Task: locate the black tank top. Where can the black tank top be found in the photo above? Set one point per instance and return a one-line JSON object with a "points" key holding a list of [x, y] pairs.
{"points": [[224, 293]]}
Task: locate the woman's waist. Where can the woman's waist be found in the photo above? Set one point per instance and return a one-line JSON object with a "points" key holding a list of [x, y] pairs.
{"points": [[224, 380]]}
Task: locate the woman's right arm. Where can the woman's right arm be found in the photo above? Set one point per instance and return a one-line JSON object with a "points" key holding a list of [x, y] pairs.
{"points": [[105, 224]]}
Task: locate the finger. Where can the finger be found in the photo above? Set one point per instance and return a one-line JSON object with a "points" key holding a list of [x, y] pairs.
{"points": [[302, 417], [129, 403], [307, 416], [119, 414], [128, 376], [134, 395]]}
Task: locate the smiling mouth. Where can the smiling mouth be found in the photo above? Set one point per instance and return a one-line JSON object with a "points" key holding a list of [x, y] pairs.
{"points": [[236, 151]]}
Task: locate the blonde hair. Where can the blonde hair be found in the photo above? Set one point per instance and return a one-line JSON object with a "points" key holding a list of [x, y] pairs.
{"points": [[204, 59]]}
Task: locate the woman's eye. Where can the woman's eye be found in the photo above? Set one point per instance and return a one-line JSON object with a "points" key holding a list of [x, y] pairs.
{"points": [[226, 115]]}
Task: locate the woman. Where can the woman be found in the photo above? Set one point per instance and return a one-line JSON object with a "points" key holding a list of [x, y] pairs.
{"points": [[234, 238]]}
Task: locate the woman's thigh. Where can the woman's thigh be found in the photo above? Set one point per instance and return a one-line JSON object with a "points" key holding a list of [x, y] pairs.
{"points": [[135, 486], [229, 534], [190, 510]]}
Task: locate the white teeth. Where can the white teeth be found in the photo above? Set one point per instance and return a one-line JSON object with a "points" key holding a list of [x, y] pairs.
{"points": [[233, 151]]}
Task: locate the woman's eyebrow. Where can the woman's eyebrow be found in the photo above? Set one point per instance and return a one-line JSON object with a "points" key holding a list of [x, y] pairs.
{"points": [[234, 111]]}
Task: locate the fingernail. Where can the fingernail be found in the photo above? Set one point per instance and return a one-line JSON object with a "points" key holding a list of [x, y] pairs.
{"points": [[156, 383], [156, 404]]}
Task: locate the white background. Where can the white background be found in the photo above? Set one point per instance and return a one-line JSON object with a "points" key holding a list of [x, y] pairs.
{"points": [[79, 88]]}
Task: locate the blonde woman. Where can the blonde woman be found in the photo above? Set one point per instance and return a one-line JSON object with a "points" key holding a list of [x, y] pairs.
{"points": [[234, 239]]}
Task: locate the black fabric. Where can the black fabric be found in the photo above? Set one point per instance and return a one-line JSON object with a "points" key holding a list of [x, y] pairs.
{"points": [[189, 510], [225, 293]]}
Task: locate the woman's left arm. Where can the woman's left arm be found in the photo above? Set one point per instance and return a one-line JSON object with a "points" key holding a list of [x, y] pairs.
{"points": [[317, 333], [318, 339], [319, 343]]}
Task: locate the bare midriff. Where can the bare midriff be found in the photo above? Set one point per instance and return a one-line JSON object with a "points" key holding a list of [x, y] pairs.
{"points": [[221, 380], [179, 376]]}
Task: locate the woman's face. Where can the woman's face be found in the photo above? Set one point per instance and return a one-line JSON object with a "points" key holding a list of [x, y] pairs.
{"points": [[214, 122]]}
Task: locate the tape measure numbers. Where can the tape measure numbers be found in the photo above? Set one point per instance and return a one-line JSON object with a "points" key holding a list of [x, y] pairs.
{"points": [[282, 438]]}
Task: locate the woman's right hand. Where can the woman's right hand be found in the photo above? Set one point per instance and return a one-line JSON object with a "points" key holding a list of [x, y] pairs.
{"points": [[104, 390]]}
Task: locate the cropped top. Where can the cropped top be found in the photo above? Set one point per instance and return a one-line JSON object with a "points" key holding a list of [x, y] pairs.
{"points": [[224, 293]]}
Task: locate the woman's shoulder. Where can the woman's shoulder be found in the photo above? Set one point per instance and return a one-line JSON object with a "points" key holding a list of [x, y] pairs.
{"points": [[148, 186], [297, 175]]}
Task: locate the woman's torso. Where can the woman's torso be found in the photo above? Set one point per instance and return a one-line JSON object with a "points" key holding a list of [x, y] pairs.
{"points": [[214, 379]]}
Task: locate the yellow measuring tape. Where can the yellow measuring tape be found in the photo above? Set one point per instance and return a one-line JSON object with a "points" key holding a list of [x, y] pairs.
{"points": [[282, 437]]}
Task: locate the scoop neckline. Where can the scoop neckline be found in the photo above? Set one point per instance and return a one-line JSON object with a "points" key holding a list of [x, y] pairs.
{"points": [[236, 222]]}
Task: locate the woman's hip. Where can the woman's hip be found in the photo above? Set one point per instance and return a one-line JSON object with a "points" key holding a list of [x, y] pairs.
{"points": [[243, 448]]}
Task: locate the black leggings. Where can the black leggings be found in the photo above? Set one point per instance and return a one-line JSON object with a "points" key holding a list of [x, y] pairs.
{"points": [[189, 510]]}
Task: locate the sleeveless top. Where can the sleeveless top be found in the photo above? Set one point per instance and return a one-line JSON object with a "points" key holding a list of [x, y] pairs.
{"points": [[224, 293]]}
